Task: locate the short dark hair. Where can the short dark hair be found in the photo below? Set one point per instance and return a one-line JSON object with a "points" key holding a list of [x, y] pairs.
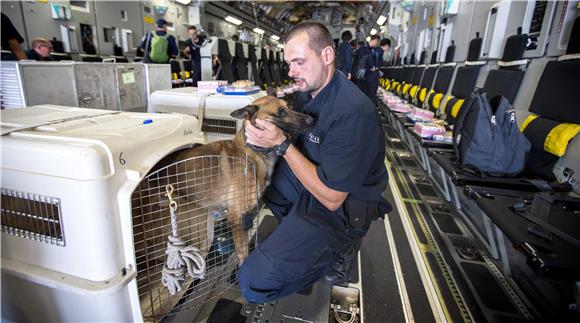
{"points": [[161, 22], [385, 41], [346, 36], [319, 37], [375, 37], [191, 27]]}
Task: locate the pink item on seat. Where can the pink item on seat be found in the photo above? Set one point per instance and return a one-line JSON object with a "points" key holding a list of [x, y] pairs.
{"points": [[428, 130], [400, 107], [421, 115]]}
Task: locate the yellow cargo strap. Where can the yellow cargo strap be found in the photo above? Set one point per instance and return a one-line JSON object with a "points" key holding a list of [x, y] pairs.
{"points": [[528, 120], [406, 88], [456, 107], [437, 100], [413, 91], [423, 94], [557, 140], [559, 137], [399, 88]]}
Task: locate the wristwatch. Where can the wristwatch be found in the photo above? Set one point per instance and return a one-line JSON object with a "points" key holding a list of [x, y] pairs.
{"points": [[281, 148]]}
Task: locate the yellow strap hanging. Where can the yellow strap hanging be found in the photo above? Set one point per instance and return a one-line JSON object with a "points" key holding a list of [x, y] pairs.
{"points": [[424, 96], [456, 107], [413, 91], [528, 120], [437, 100], [406, 88], [559, 137]]}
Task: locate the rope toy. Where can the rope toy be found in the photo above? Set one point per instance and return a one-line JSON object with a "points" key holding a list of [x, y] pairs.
{"points": [[179, 255]]}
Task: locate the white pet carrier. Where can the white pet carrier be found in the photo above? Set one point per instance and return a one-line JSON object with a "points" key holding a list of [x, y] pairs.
{"points": [[86, 216], [215, 108]]}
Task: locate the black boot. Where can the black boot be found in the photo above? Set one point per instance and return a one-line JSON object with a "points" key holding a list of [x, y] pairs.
{"points": [[341, 271]]}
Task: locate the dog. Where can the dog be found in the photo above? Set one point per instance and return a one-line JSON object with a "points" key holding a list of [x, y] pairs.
{"points": [[204, 182], [230, 190]]}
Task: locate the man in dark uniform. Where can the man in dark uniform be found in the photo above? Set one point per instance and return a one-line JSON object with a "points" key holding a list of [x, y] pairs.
{"points": [[372, 55], [345, 54], [327, 186], [193, 45]]}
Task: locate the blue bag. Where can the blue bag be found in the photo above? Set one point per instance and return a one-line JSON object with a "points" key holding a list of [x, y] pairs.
{"points": [[486, 137]]}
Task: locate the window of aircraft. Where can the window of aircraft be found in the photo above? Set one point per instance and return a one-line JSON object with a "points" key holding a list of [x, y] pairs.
{"points": [[80, 6]]}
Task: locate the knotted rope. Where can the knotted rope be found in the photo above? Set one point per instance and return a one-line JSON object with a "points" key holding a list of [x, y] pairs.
{"points": [[179, 255]]}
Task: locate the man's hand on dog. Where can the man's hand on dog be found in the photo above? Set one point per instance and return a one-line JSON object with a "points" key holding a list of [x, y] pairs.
{"points": [[265, 134]]}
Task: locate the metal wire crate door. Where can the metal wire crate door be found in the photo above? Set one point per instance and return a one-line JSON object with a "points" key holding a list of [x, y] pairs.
{"points": [[206, 191]]}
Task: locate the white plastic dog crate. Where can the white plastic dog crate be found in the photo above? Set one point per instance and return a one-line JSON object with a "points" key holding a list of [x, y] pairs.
{"points": [[76, 243], [215, 108]]}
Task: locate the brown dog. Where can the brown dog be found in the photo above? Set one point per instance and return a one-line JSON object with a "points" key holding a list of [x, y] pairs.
{"points": [[232, 183], [235, 191]]}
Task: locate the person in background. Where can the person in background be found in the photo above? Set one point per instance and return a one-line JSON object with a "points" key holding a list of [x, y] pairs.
{"points": [[370, 58], [345, 54], [386, 46], [192, 49], [11, 40], [158, 46], [40, 51]]}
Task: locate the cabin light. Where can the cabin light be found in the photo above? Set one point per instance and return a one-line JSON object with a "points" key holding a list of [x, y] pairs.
{"points": [[368, 38], [280, 46], [274, 37], [233, 20], [373, 31], [381, 20], [184, 2], [259, 31]]}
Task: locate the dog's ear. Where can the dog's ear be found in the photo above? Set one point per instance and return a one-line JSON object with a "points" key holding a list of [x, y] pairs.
{"points": [[245, 113], [271, 91]]}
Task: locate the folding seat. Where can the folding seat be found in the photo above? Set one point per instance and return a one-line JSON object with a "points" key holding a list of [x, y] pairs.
{"points": [[225, 60], [426, 82], [254, 65], [241, 63], [265, 73], [274, 69], [416, 82], [465, 79], [441, 86]]}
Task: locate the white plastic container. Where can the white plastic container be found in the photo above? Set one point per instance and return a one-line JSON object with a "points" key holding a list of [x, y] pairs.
{"points": [[218, 124], [82, 165]]}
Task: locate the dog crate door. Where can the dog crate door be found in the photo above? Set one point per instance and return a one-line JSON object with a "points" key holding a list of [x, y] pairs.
{"points": [[215, 197]]}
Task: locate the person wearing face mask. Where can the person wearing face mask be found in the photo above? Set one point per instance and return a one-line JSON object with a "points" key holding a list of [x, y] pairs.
{"points": [[327, 185]]}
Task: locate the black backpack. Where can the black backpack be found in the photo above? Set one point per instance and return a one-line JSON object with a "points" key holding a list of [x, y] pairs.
{"points": [[486, 137]]}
